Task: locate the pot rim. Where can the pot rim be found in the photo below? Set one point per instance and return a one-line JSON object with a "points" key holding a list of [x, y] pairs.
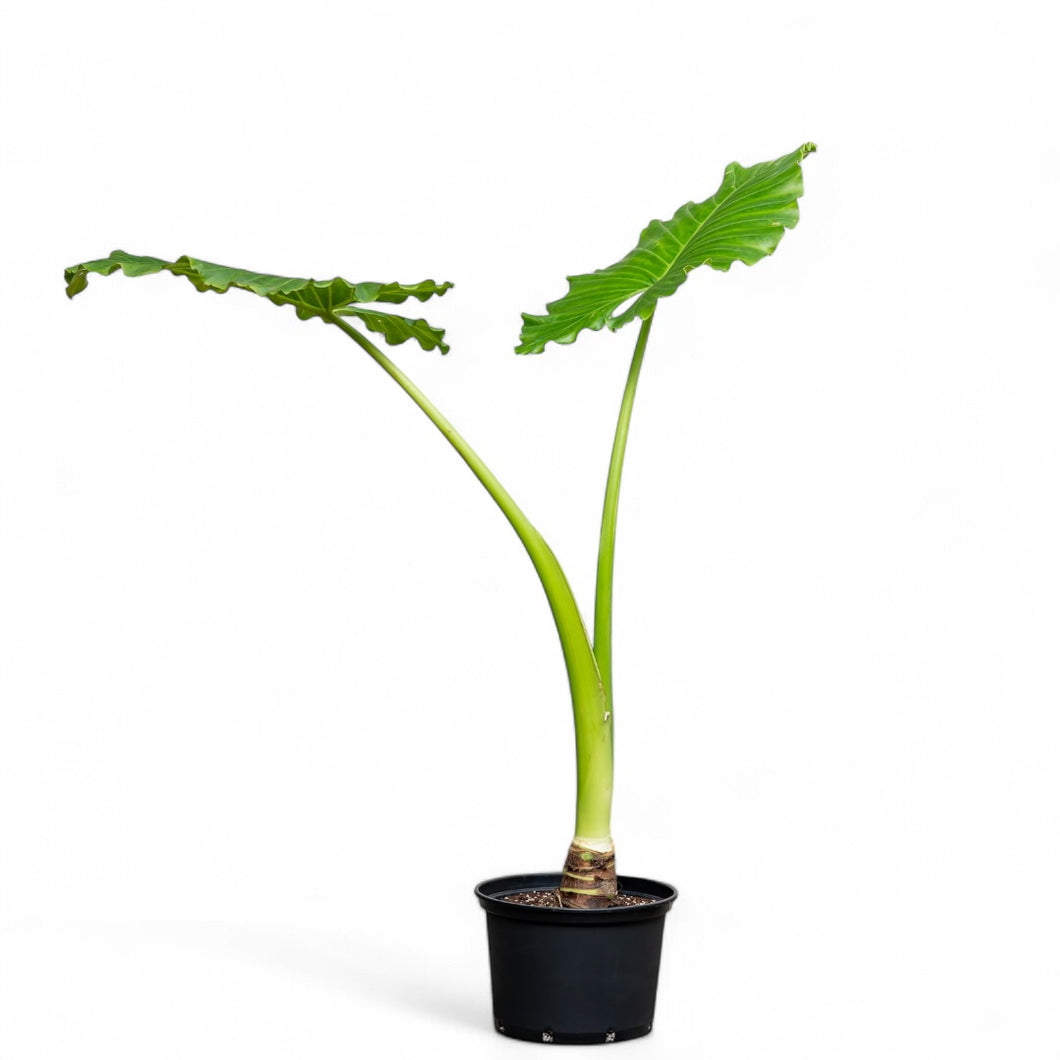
{"points": [[491, 894]]}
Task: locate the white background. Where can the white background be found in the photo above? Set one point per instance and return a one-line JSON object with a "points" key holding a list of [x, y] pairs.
{"points": [[278, 684]]}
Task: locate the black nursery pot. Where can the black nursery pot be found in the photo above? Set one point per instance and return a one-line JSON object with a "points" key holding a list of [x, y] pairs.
{"points": [[573, 976]]}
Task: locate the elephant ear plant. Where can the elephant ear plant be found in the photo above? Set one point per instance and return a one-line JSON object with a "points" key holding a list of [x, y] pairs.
{"points": [[743, 221]]}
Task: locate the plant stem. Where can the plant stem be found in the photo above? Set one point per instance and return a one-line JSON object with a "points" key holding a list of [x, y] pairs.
{"points": [[589, 879], [605, 562], [592, 724]]}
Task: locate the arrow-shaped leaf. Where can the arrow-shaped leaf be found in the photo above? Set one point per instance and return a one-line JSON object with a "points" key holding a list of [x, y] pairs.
{"points": [[743, 221], [325, 298]]}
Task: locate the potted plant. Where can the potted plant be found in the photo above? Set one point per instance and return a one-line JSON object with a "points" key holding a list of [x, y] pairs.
{"points": [[574, 954]]}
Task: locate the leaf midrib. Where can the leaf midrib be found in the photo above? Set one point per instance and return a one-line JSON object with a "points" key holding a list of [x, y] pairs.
{"points": [[734, 195]]}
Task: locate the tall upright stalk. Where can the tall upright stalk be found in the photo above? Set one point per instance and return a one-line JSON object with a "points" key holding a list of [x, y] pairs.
{"points": [[605, 560], [592, 722]]}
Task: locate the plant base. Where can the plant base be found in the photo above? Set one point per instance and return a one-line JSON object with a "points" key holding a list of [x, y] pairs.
{"points": [[573, 976]]}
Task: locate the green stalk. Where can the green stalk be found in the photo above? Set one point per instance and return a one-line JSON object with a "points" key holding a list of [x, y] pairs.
{"points": [[592, 724], [605, 563]]}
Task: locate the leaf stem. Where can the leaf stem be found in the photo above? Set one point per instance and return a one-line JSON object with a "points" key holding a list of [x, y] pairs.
{"points": [[605, 563], [592, 724]]}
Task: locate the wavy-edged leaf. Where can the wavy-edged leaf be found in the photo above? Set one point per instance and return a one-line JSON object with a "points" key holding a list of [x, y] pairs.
{"points": [[397, 329], [743, 221], [310, 298]]}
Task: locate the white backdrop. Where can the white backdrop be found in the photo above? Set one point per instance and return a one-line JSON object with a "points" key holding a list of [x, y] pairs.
{"points": [[278, 684]]}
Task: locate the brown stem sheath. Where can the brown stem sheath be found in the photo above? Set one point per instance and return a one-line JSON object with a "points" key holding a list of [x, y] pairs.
{"points": [[589, 880]]}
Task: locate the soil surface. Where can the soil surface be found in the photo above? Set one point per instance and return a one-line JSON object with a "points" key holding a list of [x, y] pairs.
{"points": [[548, 899]]}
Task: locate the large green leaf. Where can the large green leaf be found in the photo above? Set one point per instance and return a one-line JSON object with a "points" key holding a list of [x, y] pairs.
{"points": [[326, 299], [743, 221]]}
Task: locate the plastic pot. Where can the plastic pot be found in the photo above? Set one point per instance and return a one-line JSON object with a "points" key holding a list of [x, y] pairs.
{"points": [[573, 976]]}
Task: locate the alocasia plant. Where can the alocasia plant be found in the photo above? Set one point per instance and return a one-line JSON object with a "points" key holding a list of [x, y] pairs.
{"points": [[743, 221]]}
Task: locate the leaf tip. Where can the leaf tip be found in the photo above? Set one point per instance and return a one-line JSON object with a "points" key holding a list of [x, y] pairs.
{"points": [[807, 148], [527, 344], [76, 280]]}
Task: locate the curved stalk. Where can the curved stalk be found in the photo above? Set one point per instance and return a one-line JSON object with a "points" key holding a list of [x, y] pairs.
{"points": [[592, 723], [605, 563]]}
